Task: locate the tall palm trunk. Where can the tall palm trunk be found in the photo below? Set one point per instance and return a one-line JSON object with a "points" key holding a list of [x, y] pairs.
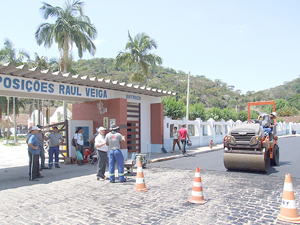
{"points": [[0, 119]]}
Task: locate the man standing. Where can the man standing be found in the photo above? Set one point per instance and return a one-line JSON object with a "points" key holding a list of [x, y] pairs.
{"points": [[33, 152], [54, 147], [102, 149], [113, 140], [40, 136], [183, 134]]}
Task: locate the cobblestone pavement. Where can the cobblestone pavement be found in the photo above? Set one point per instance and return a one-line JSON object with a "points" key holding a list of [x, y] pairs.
{"points": [[72, 195]]}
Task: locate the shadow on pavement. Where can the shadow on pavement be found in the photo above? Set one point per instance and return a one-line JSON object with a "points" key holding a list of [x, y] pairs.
{"points": [[16, 177]]}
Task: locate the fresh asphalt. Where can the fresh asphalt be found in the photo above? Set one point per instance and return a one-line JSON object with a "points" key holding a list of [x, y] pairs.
{"points": [[289, 160]]}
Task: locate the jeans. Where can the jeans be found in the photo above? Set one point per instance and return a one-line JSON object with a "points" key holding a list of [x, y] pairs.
{"points": [[183, 142], [101, 164], [42, 155], [267, 130], [81, 149], [116, 155], [54, 150]]}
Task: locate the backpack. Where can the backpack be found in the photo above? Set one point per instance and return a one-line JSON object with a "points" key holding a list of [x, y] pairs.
{"points": [[73, 142]]}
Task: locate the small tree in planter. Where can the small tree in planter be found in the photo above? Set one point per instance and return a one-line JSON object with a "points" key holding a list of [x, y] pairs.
{"points": [[6, 124]]}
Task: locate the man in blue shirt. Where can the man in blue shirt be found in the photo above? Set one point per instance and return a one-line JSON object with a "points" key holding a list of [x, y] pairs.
{"points": [[33, 152]]}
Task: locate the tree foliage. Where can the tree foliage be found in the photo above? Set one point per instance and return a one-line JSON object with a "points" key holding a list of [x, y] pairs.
{"points": [[10, 54], [279, 104], [136, 55], [197, 110], [71, 26], [287, 111], [242, 116], [172, 108], [294, 101]]}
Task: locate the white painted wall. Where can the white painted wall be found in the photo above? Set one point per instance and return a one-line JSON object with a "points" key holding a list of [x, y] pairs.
{"points": [[58, 114], [203, 140]]}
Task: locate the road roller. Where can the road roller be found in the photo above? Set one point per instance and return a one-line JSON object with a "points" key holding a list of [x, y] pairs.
{"points": [[247, 148]]}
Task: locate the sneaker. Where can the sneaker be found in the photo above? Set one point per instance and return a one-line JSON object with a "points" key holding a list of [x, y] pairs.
{"points": [[123, 181], [101, 179], [111, 182]]}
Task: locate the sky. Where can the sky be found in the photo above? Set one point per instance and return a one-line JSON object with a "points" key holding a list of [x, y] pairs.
{"points": [[251, 44]]}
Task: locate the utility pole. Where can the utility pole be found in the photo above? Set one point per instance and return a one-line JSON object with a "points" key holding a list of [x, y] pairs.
{"points": [[188, 98], [43, 114], [65, 116], [15, 120], [7, 117]]}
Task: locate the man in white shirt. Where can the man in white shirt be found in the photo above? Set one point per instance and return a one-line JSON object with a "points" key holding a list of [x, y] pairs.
{"points": [[102, 149]]}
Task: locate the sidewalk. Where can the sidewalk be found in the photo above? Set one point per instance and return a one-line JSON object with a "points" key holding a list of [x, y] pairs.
{"points": [[158, 157]]}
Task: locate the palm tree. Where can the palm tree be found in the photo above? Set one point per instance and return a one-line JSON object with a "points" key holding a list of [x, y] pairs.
{"points": [[9, 54], [71, 27], [139, 56], [39, 61]]}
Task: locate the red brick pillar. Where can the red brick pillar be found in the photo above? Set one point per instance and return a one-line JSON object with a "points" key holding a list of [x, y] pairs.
{"points": [[116, 109], [157, 123]]}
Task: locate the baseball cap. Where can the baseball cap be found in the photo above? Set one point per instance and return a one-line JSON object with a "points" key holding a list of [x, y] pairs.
{"points": [[35, 128], [39, 126], [101, 128], [54, 128]]}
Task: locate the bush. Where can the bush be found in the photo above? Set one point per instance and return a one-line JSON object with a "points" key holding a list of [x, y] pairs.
{"points": [[279, 104], [242, 115], [172, 108], [287, 111], [215, 113], [197, 110], [254, 114], [228, 114]]}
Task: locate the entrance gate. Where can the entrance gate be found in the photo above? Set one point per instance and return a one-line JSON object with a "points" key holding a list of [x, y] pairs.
{"points": [[133, 127]]}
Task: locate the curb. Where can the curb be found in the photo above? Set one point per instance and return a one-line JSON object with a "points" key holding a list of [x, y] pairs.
{"points": [[187, 154]]}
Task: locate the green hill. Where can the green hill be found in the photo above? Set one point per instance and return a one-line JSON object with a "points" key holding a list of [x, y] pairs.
{"points": [[203, 90]]}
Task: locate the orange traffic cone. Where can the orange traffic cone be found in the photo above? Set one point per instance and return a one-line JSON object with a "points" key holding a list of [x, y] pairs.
{"points": [[288, 209], [197, 193], [140, 180]]}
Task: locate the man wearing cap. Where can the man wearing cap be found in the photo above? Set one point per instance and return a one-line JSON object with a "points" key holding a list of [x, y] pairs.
{"points": [[54, 146], [113, 140], [40, 136], [102, 149], [33, 152], [268, 129]]}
